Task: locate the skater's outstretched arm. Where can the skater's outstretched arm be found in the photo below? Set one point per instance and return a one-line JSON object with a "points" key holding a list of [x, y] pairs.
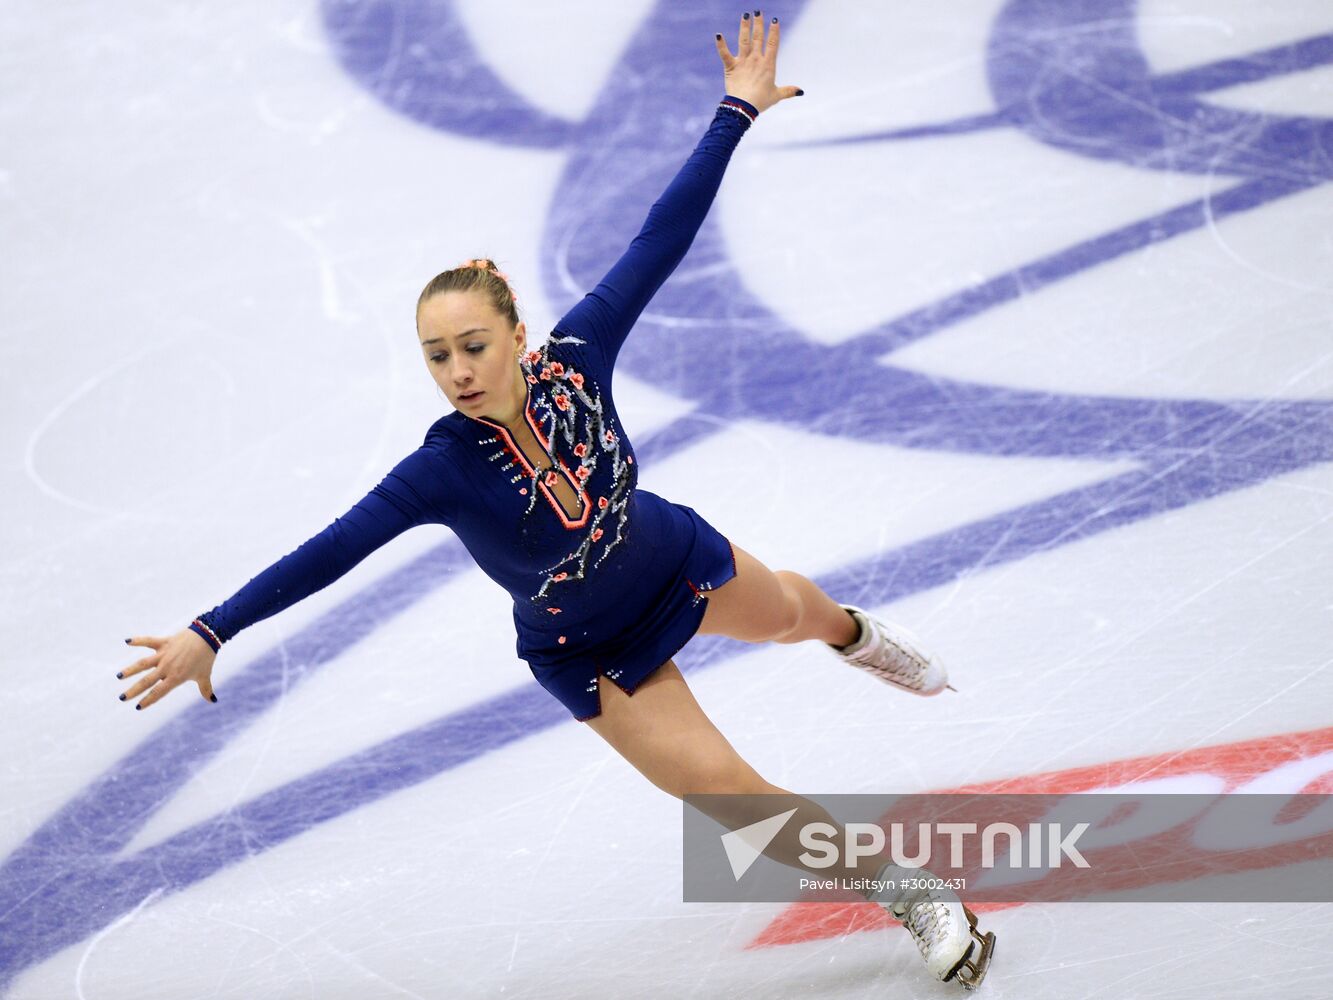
{"points": [[606, 314], [415, 492]]}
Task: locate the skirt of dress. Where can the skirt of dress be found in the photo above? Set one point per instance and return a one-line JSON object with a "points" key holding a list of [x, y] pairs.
{"points": [[653, 603]]}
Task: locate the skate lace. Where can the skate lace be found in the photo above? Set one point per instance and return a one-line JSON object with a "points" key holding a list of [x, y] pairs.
{"points": [[929, 923], [884, 655]]}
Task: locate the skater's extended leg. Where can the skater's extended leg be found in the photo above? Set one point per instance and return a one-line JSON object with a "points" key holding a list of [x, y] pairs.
{"points": [[662, 731], [759, 605], [666, 736]]}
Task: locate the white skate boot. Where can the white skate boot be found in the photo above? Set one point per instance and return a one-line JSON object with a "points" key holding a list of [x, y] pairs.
{"points": [[893, 655], [945, 931]]}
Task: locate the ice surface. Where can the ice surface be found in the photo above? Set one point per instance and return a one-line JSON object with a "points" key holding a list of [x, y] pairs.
{"points": [[1039, 365]]}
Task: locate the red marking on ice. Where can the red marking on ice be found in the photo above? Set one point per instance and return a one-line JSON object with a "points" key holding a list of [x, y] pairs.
{"points": [[1235, 763]]}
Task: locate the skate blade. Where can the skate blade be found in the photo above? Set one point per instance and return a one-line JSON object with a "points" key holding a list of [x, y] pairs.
{"points": [[972, 969]]}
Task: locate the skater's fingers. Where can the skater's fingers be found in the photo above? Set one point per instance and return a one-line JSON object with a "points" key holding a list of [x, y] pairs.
{"points": [[757, 33], [724, 53], [771, 46], [143, 684], [158, 692], [745, 38], [140, 666], [153, 641]]}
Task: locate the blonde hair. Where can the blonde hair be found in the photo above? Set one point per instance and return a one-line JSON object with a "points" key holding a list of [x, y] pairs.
{"points": [[478, 274]]}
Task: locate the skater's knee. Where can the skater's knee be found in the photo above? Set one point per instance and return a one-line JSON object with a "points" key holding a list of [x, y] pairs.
{"points": [[787, 615], [758, 801], [727, 776]]}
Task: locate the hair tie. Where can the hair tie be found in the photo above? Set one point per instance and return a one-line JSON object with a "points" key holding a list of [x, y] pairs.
{"points": [[479, 263]]}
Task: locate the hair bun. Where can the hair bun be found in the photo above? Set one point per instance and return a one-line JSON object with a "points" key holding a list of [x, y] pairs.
{"points": [[479, 264], [481, 274]]}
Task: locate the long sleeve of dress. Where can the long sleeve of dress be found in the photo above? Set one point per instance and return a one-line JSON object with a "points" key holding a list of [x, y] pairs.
{"points": [[606, 314], [416, 491]]}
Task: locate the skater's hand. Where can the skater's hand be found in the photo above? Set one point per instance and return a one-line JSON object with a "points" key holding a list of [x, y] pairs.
{"points": [[174, 660], [751, 74]]}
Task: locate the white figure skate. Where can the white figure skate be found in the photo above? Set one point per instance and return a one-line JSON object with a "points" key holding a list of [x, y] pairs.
{"points": [[892, 654], [945, 931]]}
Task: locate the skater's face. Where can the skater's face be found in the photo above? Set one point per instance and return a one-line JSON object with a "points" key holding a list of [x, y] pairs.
{"points": [[472, 352]]}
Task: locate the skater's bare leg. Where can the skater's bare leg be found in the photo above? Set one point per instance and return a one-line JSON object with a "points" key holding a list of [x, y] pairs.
{"points": [[760, 605], [666, 736]]}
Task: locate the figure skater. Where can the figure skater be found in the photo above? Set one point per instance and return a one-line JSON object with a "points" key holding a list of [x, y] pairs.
{"points": [[534, 473]]}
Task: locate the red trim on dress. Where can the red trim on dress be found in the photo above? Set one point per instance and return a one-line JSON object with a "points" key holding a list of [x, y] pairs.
{"points": [[585, 505]]}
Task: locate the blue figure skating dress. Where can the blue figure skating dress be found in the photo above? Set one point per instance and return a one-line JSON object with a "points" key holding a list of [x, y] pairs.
{"points": [[615, 586]]}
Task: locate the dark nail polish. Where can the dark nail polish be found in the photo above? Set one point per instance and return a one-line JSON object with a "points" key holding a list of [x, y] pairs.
{"points": [[719, 38], [137, 707], [756, 13], [127, 642], [800, 93], [745, 16], [213, 698], [122, 697], [775, 20], [120, 677]]}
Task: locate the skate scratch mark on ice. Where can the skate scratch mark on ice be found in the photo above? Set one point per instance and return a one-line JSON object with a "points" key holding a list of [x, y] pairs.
{"points": [[373, 466], [583, 786], [1035, 275], [1141, 707], [1063, 964], [279, 945], [1203, 740], [78, 539], [351, 959], [1134, 483], [108, 929], [36, 891], [59, 410], [329, 297], [1271, 938], [1071, 676], [1315, 365], [1123, 98], [1211, 220], [1304, 488], [1173, 960], [312, 131], [513, 950], [279, 709]]}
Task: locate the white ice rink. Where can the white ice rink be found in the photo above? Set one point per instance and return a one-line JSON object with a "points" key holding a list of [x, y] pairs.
{"points": [[1041, 365]]}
